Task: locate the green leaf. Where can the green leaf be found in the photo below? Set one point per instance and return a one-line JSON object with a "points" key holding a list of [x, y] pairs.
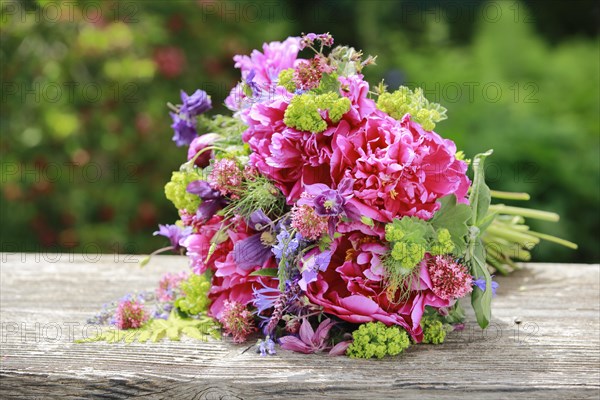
{"points": [[173, 333], [480, 193], [158, 335], [145, 261], [480, 300], [144, 336], [194, 333], [454, 217], [265, 272]]}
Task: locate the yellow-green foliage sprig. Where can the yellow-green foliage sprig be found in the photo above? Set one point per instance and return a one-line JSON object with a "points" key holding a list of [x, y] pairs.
{"points": [[374, 339]]}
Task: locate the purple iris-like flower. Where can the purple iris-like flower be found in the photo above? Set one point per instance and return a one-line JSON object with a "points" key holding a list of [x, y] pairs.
{"points": [[199, 102], [174, 233], [184, 130], [308, 340], [265, 298], [311, 265], [480, 283], [212, 200], [252, 251], [251, 84]]}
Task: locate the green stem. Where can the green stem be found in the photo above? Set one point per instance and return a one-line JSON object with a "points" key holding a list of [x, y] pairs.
{"points": [[554, 239], [497, 194], [513, 236], [525, 212]]}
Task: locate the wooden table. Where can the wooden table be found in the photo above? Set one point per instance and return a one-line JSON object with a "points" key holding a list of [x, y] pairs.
{"points": [[46, 298]]}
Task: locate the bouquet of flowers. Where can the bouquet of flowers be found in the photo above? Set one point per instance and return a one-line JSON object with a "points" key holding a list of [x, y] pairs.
{"points": [[326, 214]]}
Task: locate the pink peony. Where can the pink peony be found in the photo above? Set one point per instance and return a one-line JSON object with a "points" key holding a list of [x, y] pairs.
{"points": [[229, 282], [289, 157], [263, 70], [354, 291], [198, 246], [400, 169]]}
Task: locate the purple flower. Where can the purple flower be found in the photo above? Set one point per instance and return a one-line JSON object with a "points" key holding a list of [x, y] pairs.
{"points": [[265, 298], [185, 131], [266, 347], [212, 200], [196, 104], [251, 84], [286, 247], [252, 251], [314, 262], [331, 202], [174, 233], [308, 341], [480, 283]]}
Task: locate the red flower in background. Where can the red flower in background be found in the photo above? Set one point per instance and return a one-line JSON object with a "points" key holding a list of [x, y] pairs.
{"points": [[170, 61]]}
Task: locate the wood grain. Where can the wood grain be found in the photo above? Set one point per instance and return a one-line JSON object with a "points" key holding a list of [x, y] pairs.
{"points": [[45, 299]]}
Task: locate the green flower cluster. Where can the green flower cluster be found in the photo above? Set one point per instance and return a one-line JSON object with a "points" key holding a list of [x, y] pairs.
{"points": [[195, 299], [434, 330], [303, 111], [374, 339], [286, 79], [175, 190], [443, 243], [404, 101], [408, 237]]}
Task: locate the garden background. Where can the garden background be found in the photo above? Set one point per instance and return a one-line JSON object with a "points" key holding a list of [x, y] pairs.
{"points": [[84, 129]]}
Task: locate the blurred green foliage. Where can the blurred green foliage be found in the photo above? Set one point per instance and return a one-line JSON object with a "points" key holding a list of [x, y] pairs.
{"points": [[85, 137]]}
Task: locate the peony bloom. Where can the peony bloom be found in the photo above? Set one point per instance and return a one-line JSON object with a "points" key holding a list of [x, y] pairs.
{"points": [[199, 244], [400, 169], [266, 66], [231, 281], [354, 291], [260, 72]]}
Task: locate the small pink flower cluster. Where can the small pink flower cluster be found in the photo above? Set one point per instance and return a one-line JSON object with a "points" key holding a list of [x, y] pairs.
{"points": [[226, 176], [450, 279], [130, 314], [307, 222], [168, 285], [237, 321]]}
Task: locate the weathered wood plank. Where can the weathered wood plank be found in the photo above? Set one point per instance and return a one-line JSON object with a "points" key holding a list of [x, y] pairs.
{"points": [[553, 353]]}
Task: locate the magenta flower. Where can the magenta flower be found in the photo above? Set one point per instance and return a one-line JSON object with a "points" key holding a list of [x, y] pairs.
{"points": [[308, 340], [399, 168], [200, 143]]}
